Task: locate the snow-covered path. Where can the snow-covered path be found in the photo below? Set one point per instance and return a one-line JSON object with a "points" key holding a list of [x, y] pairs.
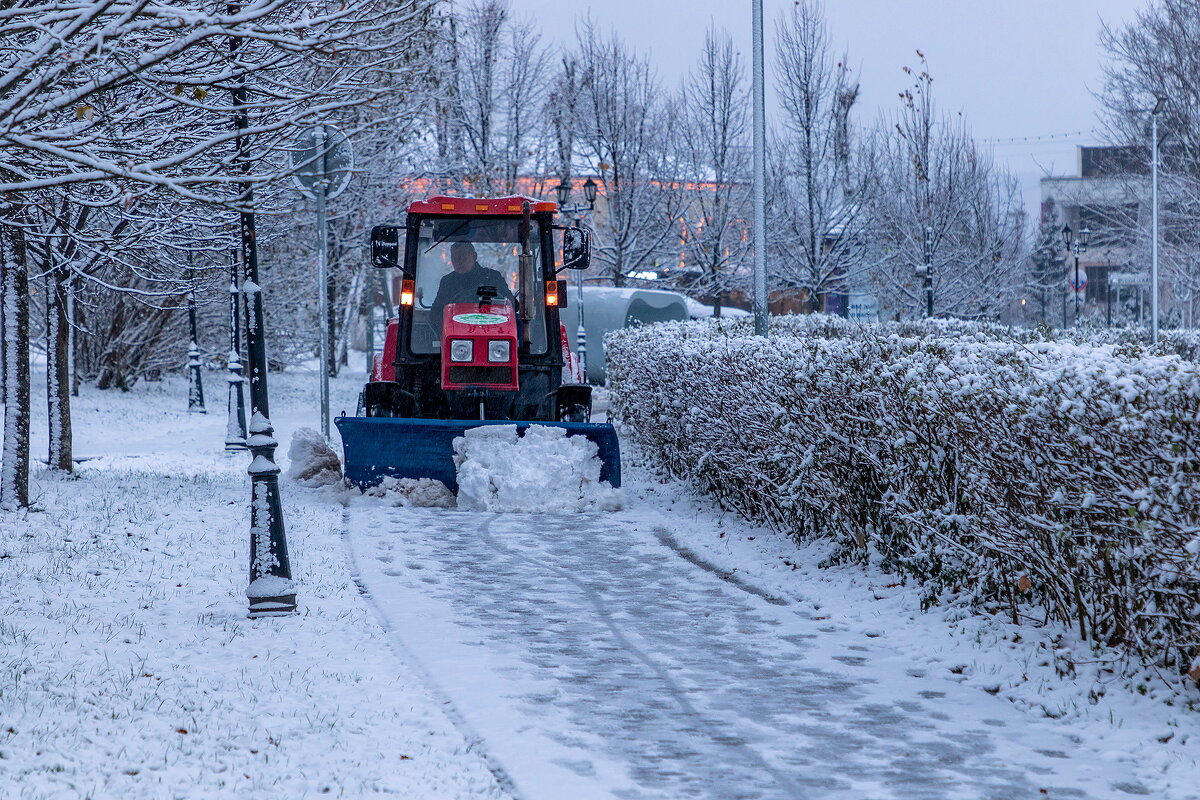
{"points": [[596, 656]]}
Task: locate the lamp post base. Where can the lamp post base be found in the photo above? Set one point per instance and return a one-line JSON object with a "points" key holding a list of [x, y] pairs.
{"points": [[278, 606]]}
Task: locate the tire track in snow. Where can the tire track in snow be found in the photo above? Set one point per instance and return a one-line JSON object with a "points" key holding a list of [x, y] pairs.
{"points": [[667, 540], [596, 600], [473, 739]]}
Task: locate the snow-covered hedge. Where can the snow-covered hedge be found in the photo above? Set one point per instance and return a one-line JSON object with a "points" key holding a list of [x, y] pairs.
{"points": [[1035, 474]]}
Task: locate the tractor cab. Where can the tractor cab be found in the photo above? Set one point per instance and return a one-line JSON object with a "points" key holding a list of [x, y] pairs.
{"points": [[476, 337]]}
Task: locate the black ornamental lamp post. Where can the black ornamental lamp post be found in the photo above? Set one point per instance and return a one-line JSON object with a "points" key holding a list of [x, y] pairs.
{"points": [[195, 381], [271, 591], [1076, 245]]}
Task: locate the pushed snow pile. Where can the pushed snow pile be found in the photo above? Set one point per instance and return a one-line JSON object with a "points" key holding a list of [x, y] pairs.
{"points": [[543, 471], [313, 462], [421, 492]]}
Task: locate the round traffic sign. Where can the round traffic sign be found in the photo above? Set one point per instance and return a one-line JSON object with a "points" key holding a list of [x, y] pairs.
{"points": [[322, 156], [1078, 280]]}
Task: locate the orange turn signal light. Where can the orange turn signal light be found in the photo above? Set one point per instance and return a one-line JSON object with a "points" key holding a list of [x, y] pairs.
{"points": [[407, 290]]}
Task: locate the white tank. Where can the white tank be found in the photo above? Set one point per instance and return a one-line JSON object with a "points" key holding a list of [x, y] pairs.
{"points": [[607, 308]]}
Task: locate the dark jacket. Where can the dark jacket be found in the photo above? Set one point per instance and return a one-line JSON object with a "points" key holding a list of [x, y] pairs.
{"points": [[463, 287]]}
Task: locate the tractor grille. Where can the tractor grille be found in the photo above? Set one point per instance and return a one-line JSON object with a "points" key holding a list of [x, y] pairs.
{"points": [[480, 375]]}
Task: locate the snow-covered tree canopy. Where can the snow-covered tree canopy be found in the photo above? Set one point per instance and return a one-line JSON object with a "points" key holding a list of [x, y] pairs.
{"points": [[145, 93]]}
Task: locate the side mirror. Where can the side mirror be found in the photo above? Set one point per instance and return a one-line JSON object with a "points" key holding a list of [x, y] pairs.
{"points": [[576, 248], [385, 246]]}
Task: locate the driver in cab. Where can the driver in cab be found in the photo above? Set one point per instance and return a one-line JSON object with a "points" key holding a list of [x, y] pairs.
{"points": [[462, 285]]}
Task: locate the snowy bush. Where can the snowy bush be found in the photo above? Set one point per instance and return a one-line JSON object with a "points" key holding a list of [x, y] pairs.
{"points": [[1059, 476]]}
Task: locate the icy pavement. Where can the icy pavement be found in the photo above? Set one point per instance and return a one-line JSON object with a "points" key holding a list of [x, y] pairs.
{"points": [[597, 656]]}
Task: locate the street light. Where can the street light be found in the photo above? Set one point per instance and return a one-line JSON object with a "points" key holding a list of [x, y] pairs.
{"points": [[1158, 106], [235, 420], [1076, 245], [758, 94], [564, 196]]}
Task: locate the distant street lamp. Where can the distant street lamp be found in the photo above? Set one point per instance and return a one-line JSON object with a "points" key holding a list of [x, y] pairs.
{"points": [[235, 421], [563, 191], [195, 381], [1158, 106], [1076, 245]]}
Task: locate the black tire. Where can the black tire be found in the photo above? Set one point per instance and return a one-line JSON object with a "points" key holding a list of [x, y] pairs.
{"points": [[573, 403], [576, 413]]}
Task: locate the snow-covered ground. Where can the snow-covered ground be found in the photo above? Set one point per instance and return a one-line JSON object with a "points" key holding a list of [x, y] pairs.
{"points": [[659, 651], [128, 668]]}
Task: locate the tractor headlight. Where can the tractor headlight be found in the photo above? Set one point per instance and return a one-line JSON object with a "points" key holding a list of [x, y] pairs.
{"points": [[461, 350], [499, 350]]}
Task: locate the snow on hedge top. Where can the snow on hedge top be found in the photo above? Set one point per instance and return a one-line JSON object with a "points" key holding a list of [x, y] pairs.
{"points": [[542, 471], [1130, 342]]}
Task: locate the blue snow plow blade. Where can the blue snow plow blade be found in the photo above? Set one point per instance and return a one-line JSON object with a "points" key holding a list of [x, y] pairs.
{"points": [[379, 447]]}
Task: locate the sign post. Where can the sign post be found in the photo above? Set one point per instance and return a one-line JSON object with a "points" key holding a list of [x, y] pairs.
{"points": [[323, 161]]}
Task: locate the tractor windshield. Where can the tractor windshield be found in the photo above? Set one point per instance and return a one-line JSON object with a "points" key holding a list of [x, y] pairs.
{"points": [[457, 255]]}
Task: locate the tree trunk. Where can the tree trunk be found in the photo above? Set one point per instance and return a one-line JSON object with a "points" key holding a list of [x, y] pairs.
{"points": [[14, 469], [58, 373], [352, 311], [331, 353], [3, 339], [75, 313]]}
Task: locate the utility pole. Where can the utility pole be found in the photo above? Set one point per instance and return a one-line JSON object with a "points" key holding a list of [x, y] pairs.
{"points": [[760, 174], [323, 161], [320, 191], [271, 591], [1158, 105]]}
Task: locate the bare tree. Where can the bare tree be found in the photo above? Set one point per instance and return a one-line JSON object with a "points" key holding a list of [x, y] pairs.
{"points": [[937, 196], [624, 130], [495, 90], [562, 110], [817, 202], [714, 145]]}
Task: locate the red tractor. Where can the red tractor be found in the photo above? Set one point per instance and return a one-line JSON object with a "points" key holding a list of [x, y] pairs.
{"points": [[476, 339]]}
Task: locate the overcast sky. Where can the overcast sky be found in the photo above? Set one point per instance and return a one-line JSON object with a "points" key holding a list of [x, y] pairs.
{"points": [[1014, 68]]}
